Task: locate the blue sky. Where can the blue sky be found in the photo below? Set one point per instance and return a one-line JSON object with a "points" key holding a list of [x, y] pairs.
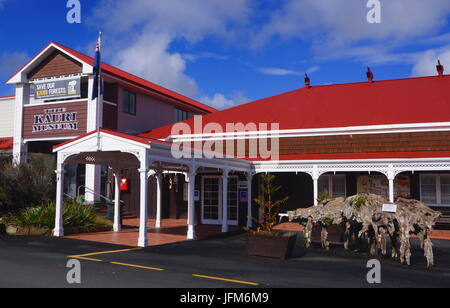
{"points": [[230, 52]]}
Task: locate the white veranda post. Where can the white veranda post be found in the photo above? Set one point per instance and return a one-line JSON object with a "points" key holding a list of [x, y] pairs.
{"points": [[144, 170], [315, 177], [117, 177], [59, 227], [225, 201], [249, 200], [22, 99], [159, 187], [391, 178], [191, 235]]}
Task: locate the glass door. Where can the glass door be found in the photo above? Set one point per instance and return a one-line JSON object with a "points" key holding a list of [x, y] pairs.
{"points": [[233, 201], [211, 200]]}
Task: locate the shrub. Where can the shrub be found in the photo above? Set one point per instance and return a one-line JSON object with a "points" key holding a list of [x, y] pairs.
{"points": [[268, 206], [324, 197], [27, 184], [75, 215], [361, 200]]}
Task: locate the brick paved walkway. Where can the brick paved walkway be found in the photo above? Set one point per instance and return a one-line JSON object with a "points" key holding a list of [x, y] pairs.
{"points": [[173, 230]]}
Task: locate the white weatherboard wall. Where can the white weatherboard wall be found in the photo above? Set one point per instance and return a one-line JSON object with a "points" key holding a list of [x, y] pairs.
{"points": [[7, 117]]}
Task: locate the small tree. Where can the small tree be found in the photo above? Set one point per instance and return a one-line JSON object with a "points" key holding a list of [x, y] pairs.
{"points": [[27, 184], [267, 204]]}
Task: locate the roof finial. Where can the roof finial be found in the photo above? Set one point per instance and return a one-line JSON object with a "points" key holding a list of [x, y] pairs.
{"points": [[440, 69], [369, 75], [307, 81]]}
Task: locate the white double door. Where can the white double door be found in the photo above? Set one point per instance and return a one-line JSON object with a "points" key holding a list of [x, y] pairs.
{"points": [[212, 200]]}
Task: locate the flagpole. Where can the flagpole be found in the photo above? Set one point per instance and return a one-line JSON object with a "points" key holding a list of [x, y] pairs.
{"points": [[99, 86]]}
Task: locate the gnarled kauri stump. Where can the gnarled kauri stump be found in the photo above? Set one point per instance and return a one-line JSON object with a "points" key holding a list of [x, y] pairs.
{"points": [[362, 216]]}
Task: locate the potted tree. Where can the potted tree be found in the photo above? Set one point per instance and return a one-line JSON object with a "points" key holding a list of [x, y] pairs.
{"points": [[264, 240]]}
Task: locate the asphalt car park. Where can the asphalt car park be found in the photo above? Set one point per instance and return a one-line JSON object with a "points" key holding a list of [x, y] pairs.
{"points": [[218, 262]]}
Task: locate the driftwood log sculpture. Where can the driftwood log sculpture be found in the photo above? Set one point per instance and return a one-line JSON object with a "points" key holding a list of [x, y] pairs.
{"points": [[362, 216]]}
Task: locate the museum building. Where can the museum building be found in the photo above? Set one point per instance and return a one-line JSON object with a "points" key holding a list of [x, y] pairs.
{"points": [[387, 137]]}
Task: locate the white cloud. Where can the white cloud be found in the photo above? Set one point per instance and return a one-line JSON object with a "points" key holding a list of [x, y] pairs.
{"points": [[426, 64], [144, 31], [150, 59], [193, 57], [277, 71], [221, 102], [339, 28], [192, 20], [313, 69]]}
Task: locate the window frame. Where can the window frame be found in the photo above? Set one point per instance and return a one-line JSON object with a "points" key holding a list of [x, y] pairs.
{"points": [[184, 115], [437, 187], [330, 178], [126, 104]]}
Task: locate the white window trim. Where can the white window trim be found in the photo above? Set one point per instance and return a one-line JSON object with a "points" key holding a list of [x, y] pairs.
{"points": [[438, 188], [202, 201], [219, 221], [176, 115], [234, 222]]}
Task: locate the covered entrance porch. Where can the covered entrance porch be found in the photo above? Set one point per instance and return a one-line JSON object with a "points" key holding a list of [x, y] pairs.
{"points": [[207, 201]]}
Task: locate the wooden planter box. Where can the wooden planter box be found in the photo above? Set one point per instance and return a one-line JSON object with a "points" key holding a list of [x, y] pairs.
{"points": [[271, 246], [33, 231], [334, 234]]}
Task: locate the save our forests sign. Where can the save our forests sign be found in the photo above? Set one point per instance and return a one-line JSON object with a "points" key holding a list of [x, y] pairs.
{"points": [[67, 88]]}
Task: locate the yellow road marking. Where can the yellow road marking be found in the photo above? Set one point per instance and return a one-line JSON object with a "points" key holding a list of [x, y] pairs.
{"points": [[87, 255], [138, 266], [84, 258], [107, 252], [228, 280]]}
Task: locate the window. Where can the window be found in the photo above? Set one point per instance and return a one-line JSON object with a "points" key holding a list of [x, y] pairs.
{"points": [[233, 199], [335, 185], [110, 92], [435, 189], [180, 115], [129, 102]]}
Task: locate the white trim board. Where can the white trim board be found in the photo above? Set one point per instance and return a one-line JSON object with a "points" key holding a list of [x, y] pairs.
{"points": [[290, 133]]}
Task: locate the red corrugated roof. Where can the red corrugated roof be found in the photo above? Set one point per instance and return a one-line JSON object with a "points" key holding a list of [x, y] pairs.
{"points": [[401, 101], [6, 143], [133, 79]]}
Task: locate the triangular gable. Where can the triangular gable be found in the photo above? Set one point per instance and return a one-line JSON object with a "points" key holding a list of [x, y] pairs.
{"points": [[47, 61], [56, 64], [102, 140]]}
